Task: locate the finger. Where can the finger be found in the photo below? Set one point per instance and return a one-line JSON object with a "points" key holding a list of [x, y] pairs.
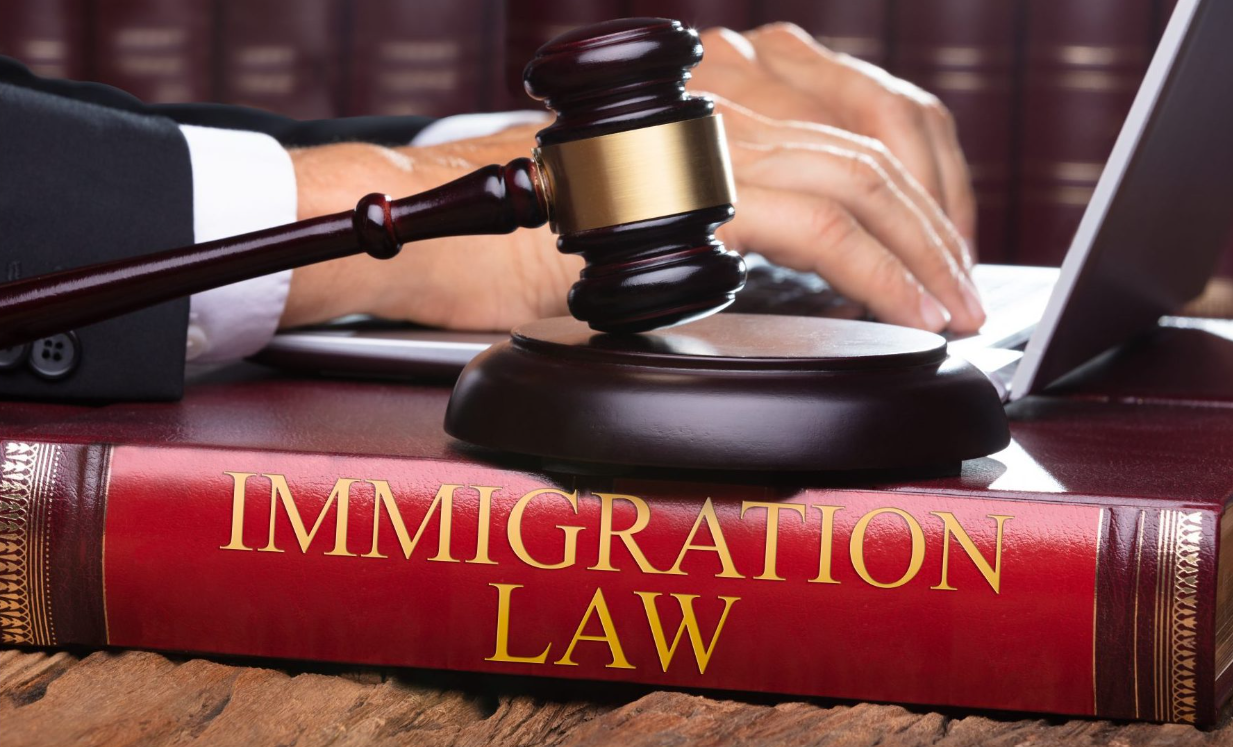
{"points": [[874, 102], [900, 123], [954, 172], [809, 233], [731, 69], [864, 188], [747, 126]]}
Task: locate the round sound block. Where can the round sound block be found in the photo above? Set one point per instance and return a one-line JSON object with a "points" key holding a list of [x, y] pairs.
{"points": [[732, 392]]}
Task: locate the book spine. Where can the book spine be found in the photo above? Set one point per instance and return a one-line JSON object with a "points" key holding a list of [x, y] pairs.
{"points": [[280, 55], [161, 51], [419, 58], [46, 35], [854, 27], [531, 23], [963, 51], [1029, 605], [1083, 68], [699, 14]]}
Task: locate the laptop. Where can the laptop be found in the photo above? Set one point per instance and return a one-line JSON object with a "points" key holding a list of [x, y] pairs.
{"points": [[1150, 239]]}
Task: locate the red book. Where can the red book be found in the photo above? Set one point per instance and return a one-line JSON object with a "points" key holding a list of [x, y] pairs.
{"points": [[420, 58], [531, 23], [1085, 61], [855, 27], [699, 14], [281, 55], [1078, 572], [161, 51], [963, 51], [46, 35]]}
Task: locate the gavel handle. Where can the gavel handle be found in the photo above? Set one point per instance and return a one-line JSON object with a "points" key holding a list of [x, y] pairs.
{"points": [[491, 200]]}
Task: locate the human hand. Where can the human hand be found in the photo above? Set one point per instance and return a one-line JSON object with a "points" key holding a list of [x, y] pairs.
{"points": [[780, 71], [470, 282], [812, 197], [816, 198]]}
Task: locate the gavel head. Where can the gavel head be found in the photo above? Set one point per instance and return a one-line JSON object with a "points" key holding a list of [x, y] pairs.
{"points": [[636, 174]]}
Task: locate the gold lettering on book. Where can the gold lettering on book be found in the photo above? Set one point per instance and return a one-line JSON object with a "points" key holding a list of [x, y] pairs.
{"points": [[389, 509], [877, 536], [857, 548], [504, 593], [280, 494], [340, 496], [599, 612], [599, 608], [826, 549], [718, 545], [771, 548], [27, 483], [238, 481], [689, 624], [642, 518], [514, 530], [442, 503], [951, 526], [484, 518]]}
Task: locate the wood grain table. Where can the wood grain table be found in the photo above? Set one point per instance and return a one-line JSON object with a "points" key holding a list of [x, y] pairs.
{"points": [[139, 698]]}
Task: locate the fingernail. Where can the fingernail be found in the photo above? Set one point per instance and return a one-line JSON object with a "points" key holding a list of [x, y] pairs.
{"points": [[971, 299], [932, 313]]}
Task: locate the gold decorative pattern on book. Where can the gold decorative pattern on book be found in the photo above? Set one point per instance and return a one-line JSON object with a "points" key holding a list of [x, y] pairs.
{"points": [[1175, 644], [27, 476]]}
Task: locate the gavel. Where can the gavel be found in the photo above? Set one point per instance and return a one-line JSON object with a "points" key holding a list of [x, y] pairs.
{"points": [[633, 175]]}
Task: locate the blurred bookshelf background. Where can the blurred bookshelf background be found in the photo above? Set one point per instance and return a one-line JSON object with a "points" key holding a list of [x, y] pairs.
{"points": [[1039, 88]]}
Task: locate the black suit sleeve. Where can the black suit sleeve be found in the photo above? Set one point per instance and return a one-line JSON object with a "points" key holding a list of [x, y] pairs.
{"points": [[92, 174], [82, 184], [291, 133]]}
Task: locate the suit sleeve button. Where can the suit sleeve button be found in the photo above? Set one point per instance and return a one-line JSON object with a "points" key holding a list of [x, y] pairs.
{"points": [[55, 357], [13, 357]]}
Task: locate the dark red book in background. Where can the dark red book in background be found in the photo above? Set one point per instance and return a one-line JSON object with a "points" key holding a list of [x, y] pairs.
{"points": [[280, 55], [700, 14], [1039, 88], [530, 23], [964, 52], [417, 58], [47, 35], [855, 27], [1084, 63], [158, 50]]}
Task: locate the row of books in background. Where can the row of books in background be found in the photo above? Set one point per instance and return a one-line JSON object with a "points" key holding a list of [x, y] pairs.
{"points": [[1039, 88]]}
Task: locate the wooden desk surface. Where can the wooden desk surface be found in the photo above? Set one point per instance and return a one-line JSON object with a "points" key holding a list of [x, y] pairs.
{"points": [[141, 698]]}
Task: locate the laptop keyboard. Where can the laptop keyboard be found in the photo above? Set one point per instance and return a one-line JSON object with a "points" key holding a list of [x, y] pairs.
{"points": [[1014, 299]]}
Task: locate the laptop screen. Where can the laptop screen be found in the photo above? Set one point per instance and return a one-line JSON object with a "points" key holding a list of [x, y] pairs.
{"points": [[1162, 211]]}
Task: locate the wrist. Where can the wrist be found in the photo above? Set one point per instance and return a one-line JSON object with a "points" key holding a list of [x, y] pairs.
{"points": [[332, 179]]}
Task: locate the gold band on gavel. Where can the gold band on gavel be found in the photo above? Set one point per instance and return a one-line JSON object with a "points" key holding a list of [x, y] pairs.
{"points": [[636, 175]]}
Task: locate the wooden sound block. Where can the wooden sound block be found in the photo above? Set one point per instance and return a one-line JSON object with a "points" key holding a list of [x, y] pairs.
{"points": [[731, 391]]}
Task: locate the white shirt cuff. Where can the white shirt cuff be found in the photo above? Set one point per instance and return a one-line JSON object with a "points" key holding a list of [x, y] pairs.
{"points": [[242, 182]]}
